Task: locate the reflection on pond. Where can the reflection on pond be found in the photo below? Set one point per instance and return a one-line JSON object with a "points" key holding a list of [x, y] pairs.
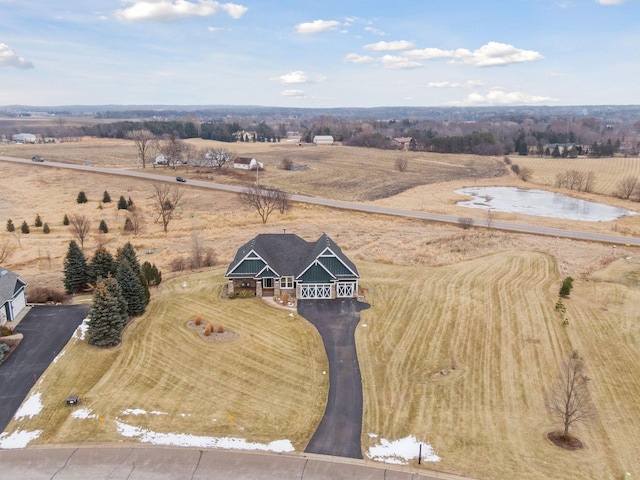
{"points": [[540, 203]]}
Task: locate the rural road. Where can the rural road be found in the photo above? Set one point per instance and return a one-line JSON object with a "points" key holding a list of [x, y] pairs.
{"points": [[359, 207]]}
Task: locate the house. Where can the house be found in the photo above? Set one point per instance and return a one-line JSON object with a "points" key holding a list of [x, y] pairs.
{"points": [[404, 143], [160, 160], [12, 296], [24, 138], [323, 140], [246, 163], [278, 264]]}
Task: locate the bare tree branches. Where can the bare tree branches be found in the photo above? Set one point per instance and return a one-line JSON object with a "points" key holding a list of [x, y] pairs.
{"points": [[173, 149], [5, 249], [569, 398], [218, 158], [145, 143], [166, 201], [402, 163], [627, 187], [265, 200], [79, 226]]}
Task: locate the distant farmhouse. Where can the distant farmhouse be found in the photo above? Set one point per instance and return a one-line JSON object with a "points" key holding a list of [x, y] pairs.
{"points": [[404, 143], [24, 138], [246, 163], [12, 296], [323, 140], [278, 264]]}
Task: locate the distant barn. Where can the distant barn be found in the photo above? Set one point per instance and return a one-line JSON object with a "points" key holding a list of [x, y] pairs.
{"points": [[323, 140]]}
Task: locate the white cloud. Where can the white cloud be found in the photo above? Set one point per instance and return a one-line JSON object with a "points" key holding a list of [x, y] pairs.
{"points": [[500, 97], [170, 10], [430, 53], [8, 58], [467, 84], [293, 93], [394, 46], [355, 58], [495, 54], [395, 62], [317, 26], [292, 78], [611, 2], [375, 31]]}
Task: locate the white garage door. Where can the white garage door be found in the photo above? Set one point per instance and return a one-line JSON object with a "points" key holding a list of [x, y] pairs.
{"points": [[316, 290], [18, 304], [346, 289]]}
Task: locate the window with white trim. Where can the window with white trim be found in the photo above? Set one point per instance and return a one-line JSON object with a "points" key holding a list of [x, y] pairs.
{"points": [[286, 282]]}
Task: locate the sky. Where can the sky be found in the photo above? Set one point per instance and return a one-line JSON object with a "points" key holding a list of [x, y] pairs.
{"points": [[359, 53]]}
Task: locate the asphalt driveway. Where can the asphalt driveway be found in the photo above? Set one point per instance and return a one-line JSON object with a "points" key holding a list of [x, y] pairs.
{"points": [[46, 330], [340, 429]]}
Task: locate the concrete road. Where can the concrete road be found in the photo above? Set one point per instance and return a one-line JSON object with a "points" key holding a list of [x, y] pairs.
{"points": [[340, 429], [359, 207], [46, 330], [155, 463]]}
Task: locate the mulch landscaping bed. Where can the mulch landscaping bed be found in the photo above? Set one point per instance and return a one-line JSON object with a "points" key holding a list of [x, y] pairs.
{"points": [[215, 337], [570, 443]]}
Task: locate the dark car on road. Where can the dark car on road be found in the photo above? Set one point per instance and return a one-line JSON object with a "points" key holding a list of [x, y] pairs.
{"points": [[181, 179], [37, 158]]}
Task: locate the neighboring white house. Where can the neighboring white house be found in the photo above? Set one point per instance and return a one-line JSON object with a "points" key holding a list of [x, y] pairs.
{"points": [[323, 140], [24, 138], [12, 296], [246, 163], [160, 160]]}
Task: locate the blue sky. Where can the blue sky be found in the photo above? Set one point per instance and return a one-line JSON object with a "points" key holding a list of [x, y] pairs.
{"points": [[320, 54]]}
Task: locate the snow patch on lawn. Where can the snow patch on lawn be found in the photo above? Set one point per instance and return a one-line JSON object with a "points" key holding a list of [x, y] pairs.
{"points": [[134, 411], [31, 407], [188, 440], [81, 331], [83, 413], [18, 439], [401, 451]]}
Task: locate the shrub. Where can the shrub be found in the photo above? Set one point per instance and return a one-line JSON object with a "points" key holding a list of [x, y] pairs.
{"points": [[198, 320], [567, 285], [4, 349], [465, 222], [38, 221], [45, 294], [45, 228], [10, 226], [106, 198], [65, 220], [515, 169], [285, 298], [24, 228], [5, 331], [82, 198], [220, 329], [208, 329], [128, 225], [178, 264], [103, 227]]}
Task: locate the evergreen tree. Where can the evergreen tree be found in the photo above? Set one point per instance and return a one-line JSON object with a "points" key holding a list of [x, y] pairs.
{"points": [[103, 227], [128, 225], [152, 275], [122, 203], [128, 253], [38, 221], [567, 285], [24, 228], [132, 289], [82, 198], [102, 265], [65, 220], [116, 292], [105, 324], [106, 198], [10, 226], [45, 228], [75, 269]]}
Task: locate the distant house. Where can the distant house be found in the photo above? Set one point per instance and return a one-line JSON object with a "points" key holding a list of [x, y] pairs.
{"points": [[246, 163], [12, 296], [24, 138], [275, 264], [160, 160], [323, 140], [403, 143]]}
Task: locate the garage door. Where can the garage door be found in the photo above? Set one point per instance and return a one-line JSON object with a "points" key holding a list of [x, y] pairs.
{"points": [[346, 289], [315, 290], [17, 304]]}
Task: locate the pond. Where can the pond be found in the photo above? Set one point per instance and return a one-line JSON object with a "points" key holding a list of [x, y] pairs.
{"points": [[540, 203]]}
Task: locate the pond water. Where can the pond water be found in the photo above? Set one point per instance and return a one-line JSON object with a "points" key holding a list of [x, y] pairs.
{"points": [[540, 203]]}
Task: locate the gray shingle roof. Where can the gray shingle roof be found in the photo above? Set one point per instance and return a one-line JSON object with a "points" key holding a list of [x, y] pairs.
{"points": [[10, 283]]}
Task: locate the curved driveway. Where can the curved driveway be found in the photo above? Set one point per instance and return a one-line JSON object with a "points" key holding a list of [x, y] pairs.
{"points": [[340, 429], [359, 207]]}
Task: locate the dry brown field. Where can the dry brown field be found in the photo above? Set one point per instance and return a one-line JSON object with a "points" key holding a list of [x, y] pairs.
{"points": [[478, 303]]}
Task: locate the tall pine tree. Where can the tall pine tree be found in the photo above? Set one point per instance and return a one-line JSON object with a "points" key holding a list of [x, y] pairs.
{"points": [[106, 322], [128, 252], [132, 289], [76, 274], [101, 266]]}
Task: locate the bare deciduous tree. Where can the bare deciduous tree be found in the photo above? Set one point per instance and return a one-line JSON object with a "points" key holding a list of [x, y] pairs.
{"points": [[284, 200], [264, 199], [201, 256], [166, 200], [218, 158], [402, 164], [525, 174], [569, 398], [465, 222], [5, 249], [134, 215], [145, 143], [627, 187], [79, 226], [172, 148]]}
